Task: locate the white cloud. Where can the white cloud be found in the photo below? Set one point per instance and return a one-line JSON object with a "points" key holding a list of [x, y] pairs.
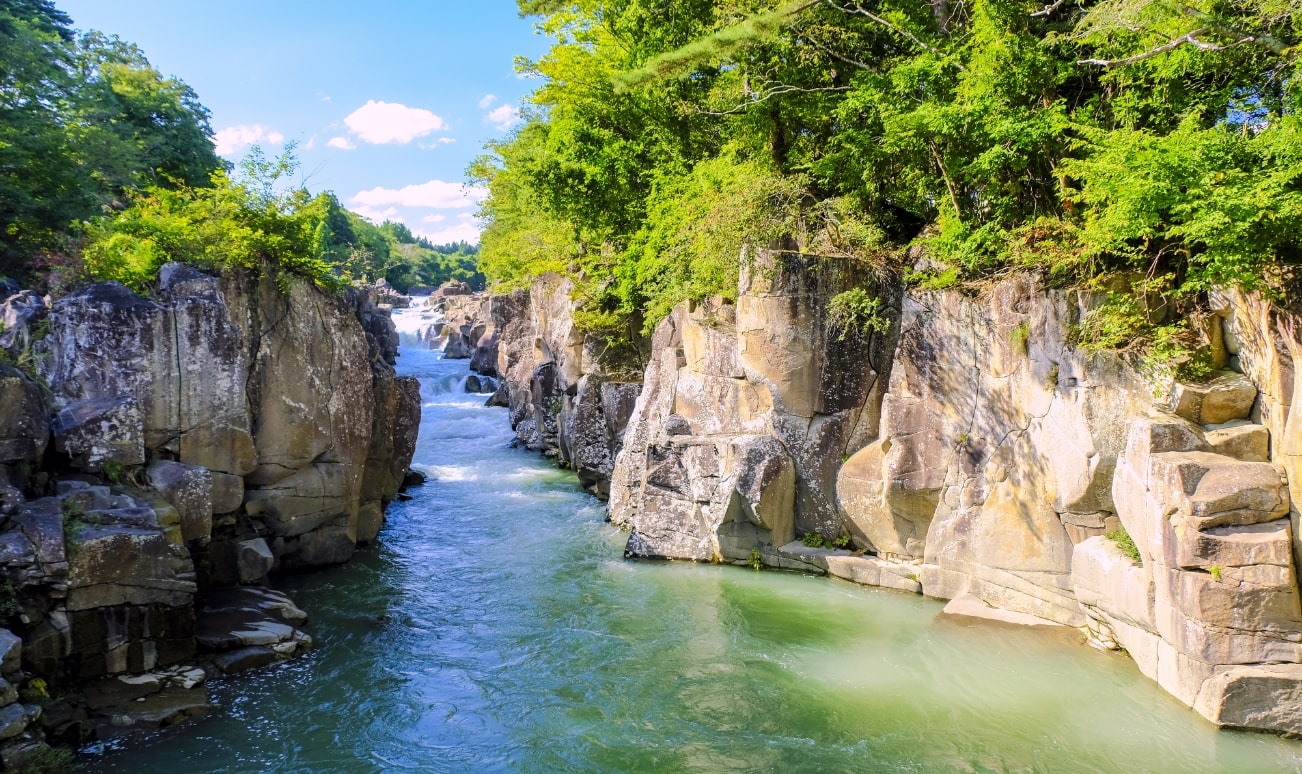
{"points": [[435, 195], [342, 143], [504, 117], [461, 232], [435, 218], [310, 144], [376, 215], [389, 122], [487, 101], [234, 139]]}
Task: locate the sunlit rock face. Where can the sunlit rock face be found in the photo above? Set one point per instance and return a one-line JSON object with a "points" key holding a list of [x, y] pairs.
{"points": [[285, 396], [747, 412], [975, 453]]}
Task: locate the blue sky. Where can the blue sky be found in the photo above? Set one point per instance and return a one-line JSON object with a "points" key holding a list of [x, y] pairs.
{"points": [[389, 101]]}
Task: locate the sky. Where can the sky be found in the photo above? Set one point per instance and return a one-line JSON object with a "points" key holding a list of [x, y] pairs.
{"points": [[388, 101]]}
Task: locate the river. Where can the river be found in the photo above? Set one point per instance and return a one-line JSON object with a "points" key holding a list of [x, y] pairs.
{"points": [[496, 627]]}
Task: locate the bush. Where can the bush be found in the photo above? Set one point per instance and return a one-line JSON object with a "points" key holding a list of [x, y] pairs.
{"points": [[856, 312], [238, 223]]}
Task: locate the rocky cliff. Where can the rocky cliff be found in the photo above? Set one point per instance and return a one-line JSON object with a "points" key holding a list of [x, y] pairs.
{"points": [[155, 450], [969, 451], [570, 393]]}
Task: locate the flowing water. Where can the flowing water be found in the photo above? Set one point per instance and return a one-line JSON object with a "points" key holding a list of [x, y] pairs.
{"points": [[496, 627]]}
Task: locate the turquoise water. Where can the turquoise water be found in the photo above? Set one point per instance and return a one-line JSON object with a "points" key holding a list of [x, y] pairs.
{"points": [[496, 627]]}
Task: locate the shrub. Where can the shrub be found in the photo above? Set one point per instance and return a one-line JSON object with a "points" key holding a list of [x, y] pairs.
{"points": [[241, 222], [856, 312]]}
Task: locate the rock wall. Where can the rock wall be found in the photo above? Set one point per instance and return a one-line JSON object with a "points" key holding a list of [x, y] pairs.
{"points": [[277, 394], [974, 453], [569, 393], [746, 414], [153, 450]]}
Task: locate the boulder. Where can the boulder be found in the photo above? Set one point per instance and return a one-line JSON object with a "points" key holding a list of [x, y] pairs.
{"points": [[123, 557], [1241, 441], [189, 489], [102, 430], [11, 652], [1226, 397], [254, 560]]}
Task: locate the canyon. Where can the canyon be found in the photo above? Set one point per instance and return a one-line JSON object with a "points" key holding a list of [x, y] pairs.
{"points": [[971, 451]]}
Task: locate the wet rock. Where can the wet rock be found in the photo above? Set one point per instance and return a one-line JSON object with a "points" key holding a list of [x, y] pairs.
{"points": [[874, 571], [245, 659], [14, 719], [1259, 698], [473, 385], [244, 624], [970, 606]]}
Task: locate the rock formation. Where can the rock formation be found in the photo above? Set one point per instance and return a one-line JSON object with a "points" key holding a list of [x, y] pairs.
{"points": [[570, 393], [971, 452], [155, 449]]}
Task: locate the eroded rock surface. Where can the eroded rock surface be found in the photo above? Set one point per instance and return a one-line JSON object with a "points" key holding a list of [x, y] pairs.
{"points": [[746, 415]]}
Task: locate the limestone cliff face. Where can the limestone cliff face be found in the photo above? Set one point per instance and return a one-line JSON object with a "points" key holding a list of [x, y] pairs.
{"points": [[207, 435]]}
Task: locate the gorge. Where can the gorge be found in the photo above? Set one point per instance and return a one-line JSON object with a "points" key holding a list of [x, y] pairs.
{"points": [[496, 627]]}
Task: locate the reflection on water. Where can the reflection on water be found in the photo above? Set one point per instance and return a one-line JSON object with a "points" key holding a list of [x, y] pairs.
{"points": [[497, 628]]}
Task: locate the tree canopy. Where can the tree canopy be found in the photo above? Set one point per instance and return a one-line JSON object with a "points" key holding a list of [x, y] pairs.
{"points": [[1078, 137], [108, 170], [84, 121]]}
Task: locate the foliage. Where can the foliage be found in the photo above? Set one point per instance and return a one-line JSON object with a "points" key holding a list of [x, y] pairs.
{"points": [[83, 122], [45, 760], [247, 221], [1215, 571], [9, 606], [1125, 544], [756, 560], [857, 312], [813, 540], [1077, 139]]}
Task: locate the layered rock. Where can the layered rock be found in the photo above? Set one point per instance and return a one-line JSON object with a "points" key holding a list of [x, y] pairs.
{"points": [[976, 454], [1215, 600], [746, 414], [289, 399], [220, 429], [997, 446]]}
